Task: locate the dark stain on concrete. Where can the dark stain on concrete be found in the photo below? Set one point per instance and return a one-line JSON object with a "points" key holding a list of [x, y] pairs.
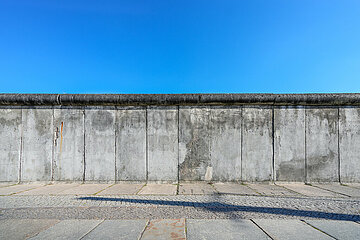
{"points": [[293, 170], [102, 120], [197, 157]]}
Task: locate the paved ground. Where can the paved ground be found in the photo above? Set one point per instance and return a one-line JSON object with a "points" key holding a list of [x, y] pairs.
{"points": [[192, 211]]}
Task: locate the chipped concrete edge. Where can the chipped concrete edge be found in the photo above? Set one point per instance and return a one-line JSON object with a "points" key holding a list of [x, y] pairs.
{"points": [[325, 99]]}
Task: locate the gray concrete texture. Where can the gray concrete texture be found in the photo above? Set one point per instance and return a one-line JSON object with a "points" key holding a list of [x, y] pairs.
{"points": [[180, 143]]}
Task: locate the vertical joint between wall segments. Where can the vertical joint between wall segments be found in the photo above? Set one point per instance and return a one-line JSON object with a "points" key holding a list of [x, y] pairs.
{"points": [[339, 157], [273, 144], [21, 145], [178, 143], [84, 149], [146, 145], [115, 148], [53, 146], [305, 139], [241, 142]]}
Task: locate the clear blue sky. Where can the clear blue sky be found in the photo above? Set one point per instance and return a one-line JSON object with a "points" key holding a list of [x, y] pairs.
{"points": [[179, 46]]}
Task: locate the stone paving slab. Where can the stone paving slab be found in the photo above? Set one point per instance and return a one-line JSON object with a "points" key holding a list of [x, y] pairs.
{"points": [[310, 191], [337, 229], [118, 229], [23, 228], [354, 185], [194, 189], [223, 229], [159, 229], [85, 189], [290, 229], [271, 190], [18, 188], [122, 189], [349, 191], [49, 189], [158, 189], [68, 229], [233, 188]]}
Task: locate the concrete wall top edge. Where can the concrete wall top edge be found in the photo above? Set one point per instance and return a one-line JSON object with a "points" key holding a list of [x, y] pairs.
{"points": [[324, 99]]}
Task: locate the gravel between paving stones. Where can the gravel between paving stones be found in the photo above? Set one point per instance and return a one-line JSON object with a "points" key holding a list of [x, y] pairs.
{"points": [[193, 207]]}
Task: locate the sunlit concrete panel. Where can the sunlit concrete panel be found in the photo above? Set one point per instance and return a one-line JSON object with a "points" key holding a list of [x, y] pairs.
{"points": [[100, 144], [131, 144], [10, 144], [162, 136], [69, 144], [257, 152], [322, 144], [289, 144], [38, 144]]}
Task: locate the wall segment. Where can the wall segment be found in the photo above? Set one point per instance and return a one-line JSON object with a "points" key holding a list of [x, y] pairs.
{"points": [[180, 137]]}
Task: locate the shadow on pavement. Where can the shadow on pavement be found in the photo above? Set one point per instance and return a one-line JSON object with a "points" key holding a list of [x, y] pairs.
{"points": [[217, 206]]}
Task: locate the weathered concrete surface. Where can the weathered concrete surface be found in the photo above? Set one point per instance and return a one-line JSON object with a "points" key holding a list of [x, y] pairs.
{"points": [[337, 99], [272, 190], [225, 145], [290, 229], [349, 130], [24, 228], [198, 188], [68, 229], [257, 152], [337, 229], [18, 188], [322, 145], [69, 128], [158, 189], [234, 188], [289, 144], [99, 144], [223, 229], [162, 137], [49, 189], [310, 191], [84, 189], [348, 191], [131, 144], [165, 229], [10, 144], [38, 144], [194, 143], [122, 189], [118, 229]]}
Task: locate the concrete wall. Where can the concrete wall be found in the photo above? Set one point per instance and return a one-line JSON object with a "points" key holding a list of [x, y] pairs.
{"points": [[238, 142]]}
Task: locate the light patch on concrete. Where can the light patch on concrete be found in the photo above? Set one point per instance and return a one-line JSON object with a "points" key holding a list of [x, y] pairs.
{"points": [[122, 189], [18, 188], [309, 191], [85, 189], [234, 188]]}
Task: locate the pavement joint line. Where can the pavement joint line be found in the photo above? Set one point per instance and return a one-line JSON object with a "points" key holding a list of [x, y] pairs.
{"points": [[103, 189], [9, 185], [332, 191], [212, 185], [25, 190], [92, 229], [290, 190], [256, 191], [267, 234], [142, 232], [35, 234], [185, 227], [318, 229], [137, 192]]}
